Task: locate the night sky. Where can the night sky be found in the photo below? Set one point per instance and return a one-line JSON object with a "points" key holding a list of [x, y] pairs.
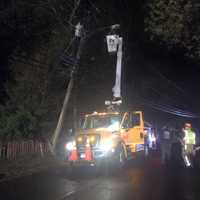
{"points": [[143, 61]]}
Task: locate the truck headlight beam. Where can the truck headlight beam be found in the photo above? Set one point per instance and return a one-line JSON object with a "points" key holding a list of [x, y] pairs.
{"points": [[106, 145], [70, 146]]}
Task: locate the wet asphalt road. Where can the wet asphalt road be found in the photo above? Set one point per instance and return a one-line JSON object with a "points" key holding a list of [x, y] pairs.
{"points": [[137, 181]]}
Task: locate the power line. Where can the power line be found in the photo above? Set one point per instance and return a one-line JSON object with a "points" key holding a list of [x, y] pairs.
{"points": [[170, 82], [173, 84], [166, 108], [77, 3], [95, 7]]}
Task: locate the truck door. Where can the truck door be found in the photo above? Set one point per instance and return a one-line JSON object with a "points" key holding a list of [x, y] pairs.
{"points": [[132, 128]]}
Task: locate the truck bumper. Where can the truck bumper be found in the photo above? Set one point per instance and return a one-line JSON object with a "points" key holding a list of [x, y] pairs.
{"points": [[88, 157]]}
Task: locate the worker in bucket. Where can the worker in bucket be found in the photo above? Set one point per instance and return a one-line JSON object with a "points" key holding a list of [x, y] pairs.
{"points": [[189, 142]]}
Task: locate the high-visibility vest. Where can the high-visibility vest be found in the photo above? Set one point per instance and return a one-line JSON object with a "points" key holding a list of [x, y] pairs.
{"points": [[189, 137]]}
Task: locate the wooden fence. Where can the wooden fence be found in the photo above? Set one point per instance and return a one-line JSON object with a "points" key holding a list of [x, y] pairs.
{"points": [[13, 149]]}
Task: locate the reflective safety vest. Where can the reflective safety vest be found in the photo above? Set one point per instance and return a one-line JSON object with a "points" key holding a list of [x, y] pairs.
{"points": [[189, 137]]}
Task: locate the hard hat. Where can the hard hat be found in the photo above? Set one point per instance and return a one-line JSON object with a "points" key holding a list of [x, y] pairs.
{"points": [[188, 125]]}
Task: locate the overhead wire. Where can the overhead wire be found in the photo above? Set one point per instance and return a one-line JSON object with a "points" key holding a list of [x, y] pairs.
{"points": [[166, 108], [177, 88], [76, 5], [170, 82], [94, 6], [161, 107], [97, 9]]}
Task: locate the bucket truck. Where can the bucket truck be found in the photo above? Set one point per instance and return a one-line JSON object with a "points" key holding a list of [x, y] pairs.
{"points": [[109, 136]]}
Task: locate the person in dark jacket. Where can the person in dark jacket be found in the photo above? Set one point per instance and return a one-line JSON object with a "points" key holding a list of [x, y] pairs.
{"points": [[166, 141]]}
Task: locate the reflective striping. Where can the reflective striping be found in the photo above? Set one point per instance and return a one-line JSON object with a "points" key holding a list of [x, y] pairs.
{"points": [[139, 147]]}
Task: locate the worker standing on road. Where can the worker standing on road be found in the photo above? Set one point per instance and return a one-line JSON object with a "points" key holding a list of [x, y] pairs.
{"points": [[189, 142], [146, 144], [165, 144]]}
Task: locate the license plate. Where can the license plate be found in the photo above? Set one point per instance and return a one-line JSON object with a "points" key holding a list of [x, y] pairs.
{"points": [[82, 155]]}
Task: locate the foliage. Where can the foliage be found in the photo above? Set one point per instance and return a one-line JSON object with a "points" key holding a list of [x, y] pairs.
{"points": [[175, 23], [39, 33], [18, 124]]}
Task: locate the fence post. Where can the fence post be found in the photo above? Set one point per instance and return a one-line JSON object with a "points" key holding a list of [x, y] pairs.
{"points": [[32, 146], [11, 150], [0, 150], [23, 147], [41, 149], [15, 149], [8, 150]]}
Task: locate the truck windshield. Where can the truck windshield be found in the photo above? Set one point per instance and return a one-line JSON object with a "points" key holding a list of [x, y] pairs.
{"points": [[111, 122]]}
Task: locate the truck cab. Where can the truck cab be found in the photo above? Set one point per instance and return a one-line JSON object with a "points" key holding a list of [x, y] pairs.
{"points": [[107, 135], [132, 131], [98, 139]]}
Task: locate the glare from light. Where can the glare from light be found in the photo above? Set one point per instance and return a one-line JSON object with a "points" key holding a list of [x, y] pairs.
{"points": [[114, 127], [152, 138], [87, 142], [70, 146], [187, 162], [80, 139], [92, 139], [106, 145]]}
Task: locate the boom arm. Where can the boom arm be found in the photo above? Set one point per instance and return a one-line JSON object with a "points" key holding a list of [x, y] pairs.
{"points": [[117, 87]]}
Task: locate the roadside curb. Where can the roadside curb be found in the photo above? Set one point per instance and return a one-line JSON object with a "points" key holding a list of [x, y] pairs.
{"points": [[42, 165]]}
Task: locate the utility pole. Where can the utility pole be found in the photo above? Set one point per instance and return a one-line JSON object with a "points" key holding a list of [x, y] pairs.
{"points": [[80, 38]]}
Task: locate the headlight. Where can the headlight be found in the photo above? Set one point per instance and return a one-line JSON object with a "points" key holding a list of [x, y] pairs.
{"points": [[114, 127], [106, 145], [92, 139], [70, 145], [80, 139]]}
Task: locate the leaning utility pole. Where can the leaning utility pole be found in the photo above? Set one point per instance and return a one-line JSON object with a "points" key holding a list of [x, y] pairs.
{"points": [[79, 38]]}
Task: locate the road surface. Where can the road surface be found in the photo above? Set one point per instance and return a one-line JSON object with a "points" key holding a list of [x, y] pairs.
{"points": [[137, 181]]}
